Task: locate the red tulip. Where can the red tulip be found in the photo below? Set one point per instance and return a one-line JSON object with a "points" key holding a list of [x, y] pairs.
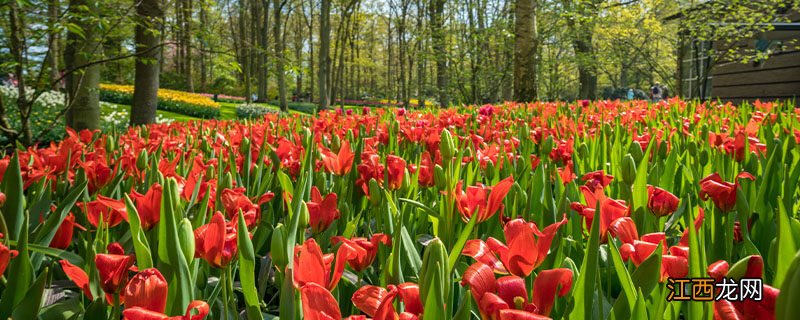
{"points": [[475, 202], [749, 308], [397, 168], [209, 186], [318, 303], [113, 270], [610, 210], [369, 168], [197, 310], [661, 202], [5, 256], [311, 266], [111, 211], [234, 200], [321, 211], [597, 179], [215, 242], [362, 251], [721, 192], [378, 302], [147, 289], [507, 297], [338, 164], [2, 198], [63, 237], [425, 169], [675, 264], [98, 174], [526, 247], [148, 205], [78, 276]]}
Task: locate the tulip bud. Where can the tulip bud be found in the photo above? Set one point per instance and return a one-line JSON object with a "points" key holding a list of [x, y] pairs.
{"points": [[704, 157], [692, 147], [210, 172], [142, 160], [786, 306], [490, 170], [186, 238], [439, 177], [636, 151], [607, 129], [662, 149], [406, 180], [446, 145], [278, 247], [583, 150], [304, 216], [704, 132], [374, 192], [628, 169], [336, 143], [227, 181], [434, 270], [547, 146], [244, 148]]}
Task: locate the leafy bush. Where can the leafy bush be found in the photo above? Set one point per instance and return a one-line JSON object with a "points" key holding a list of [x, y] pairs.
{"points": [[304, 107], [187, 103], [252, 111]]}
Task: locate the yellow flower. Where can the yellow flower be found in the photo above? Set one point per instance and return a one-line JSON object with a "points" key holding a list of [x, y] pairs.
{"points": [[167, 95]]}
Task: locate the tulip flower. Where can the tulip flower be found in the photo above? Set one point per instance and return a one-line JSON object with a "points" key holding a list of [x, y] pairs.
{"points": [[638, 249], [661, 202], [378, 302], [234, 200], [338, 164], [78, 276], [475, 202], [748, 308], [63, 237], [319, 304], [321, 211], [597, 179], [215, 242], [721, 192], [311, 266], [362, 251], [111, 211], [506, 297], [148, 290], [610, 210], [426, 165], [98, 174], [209, 186], [525, 249], [113, 269], [369, 168], [396, 167], [197, 310], [5, 256], [148, 205]]}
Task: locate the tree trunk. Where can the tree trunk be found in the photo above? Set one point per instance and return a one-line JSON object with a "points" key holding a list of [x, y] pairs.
{"points": [[524, 57], [187, 42], [53, 50], [324, 53], [145, 89], [245, 52], [440, 50], [587, 70], [262, 75], [203, 66], [82, 86], [279, 56]]}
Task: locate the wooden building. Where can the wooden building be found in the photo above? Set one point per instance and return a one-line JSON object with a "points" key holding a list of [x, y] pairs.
{"points": [[777, 77]]}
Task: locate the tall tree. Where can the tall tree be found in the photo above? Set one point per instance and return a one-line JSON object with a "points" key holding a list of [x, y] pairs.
{"points": [[581, 22], [280, 43], [53, 50], [149, 16], [524, 53], [439, 50], [324, 53], [82, 45]]}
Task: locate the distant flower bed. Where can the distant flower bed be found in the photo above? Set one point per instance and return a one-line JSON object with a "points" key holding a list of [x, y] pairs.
{"points": [[384, 103], [223, 97], [252, 111], [187, 103]]}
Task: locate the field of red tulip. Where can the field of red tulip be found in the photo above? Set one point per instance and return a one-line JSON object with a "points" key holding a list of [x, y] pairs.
{"points": [[603, 210]]}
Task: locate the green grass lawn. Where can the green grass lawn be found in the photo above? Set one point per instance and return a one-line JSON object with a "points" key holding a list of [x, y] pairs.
{"points": [[227, 111]]}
